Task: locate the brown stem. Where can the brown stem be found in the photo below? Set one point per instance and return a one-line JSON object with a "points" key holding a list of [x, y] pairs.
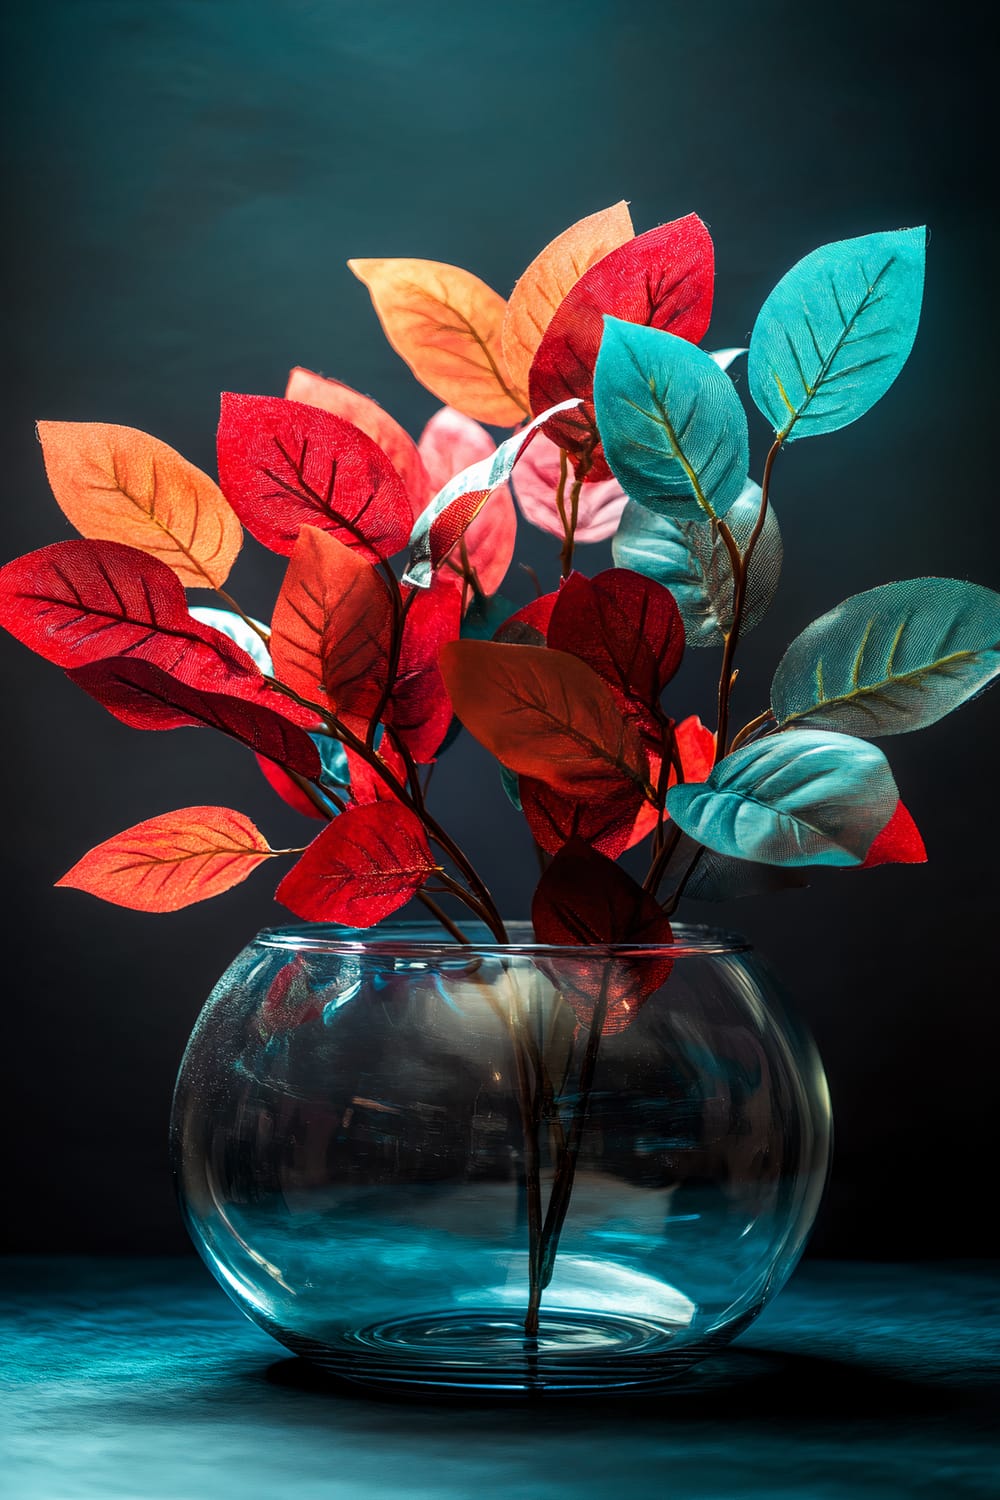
{"points": [[262, 633], [566, 556], [402, 792], [400, 610], [741, 572], [671, 906], [529, 1107], [749, 730], [562, 1188], [663, 853], [442, 916]]}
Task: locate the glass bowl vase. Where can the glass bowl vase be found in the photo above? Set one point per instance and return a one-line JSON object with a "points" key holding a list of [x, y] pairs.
{"points": [[499, 1169]]}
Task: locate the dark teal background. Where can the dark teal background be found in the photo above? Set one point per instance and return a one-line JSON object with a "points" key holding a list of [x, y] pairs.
{"points": [[185, 180]]}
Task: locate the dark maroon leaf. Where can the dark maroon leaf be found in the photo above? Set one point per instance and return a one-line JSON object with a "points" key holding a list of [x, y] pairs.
{"points": [[585, 900], [627, 627], [145, 697]]}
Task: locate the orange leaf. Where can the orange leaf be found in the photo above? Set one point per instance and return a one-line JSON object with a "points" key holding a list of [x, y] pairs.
{"points": [[116, 484], [173, 860], [446, 324], [397, 445], [331, 627], [544, 713], [550, 276]]}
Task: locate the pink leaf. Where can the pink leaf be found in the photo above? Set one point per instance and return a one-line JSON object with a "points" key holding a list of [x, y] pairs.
{"points": [[536, 481]]}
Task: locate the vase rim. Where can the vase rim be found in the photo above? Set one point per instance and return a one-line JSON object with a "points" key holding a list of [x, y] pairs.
{"points": [[425, 940]]}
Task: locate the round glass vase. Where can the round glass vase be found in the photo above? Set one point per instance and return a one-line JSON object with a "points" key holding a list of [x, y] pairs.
{"points": [[499, 1169]]}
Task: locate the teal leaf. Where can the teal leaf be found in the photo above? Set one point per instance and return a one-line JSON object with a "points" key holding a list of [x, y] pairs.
{"points": [[673, 428], [511, 784], [719, 877], [333, 760], [892, 659], [237, 630], [836, 331], [485, 615], [691, 560], [807, 798]]}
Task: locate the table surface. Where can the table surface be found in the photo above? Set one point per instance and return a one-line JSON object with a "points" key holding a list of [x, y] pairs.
{"points": [[138, 1380]]}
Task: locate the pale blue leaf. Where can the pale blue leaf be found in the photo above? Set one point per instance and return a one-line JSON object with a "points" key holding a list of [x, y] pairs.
{"points": [[442, 523], [673, 428], [691, 560], [836, 331], [725, 357], [333, 760], [237, 630], [806, 798], [892, 659]]}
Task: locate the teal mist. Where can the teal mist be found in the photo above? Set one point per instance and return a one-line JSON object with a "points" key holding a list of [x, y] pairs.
{"points": [[800, 798], [893, 659], [836, 331], [672, 426], [692, 561]]}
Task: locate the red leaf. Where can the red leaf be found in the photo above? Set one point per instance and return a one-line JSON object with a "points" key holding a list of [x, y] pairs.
{"points": [[899, 843], [536, 482], [173, 860], [366, 864], [283, 465], [450, 443], [627, 627], [695, 745], [545, 714], [332, 626], [585, 900], [145, 697], [339, 399], [367, 785], [607, 823], [419, 709], [77, 602], [528, 625], [288, 790], [696, 748], [661, 279]]}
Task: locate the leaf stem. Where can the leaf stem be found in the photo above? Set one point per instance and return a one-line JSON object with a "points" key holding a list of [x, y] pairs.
{"points": [[749, 731], [260, 631], [741, 572]]}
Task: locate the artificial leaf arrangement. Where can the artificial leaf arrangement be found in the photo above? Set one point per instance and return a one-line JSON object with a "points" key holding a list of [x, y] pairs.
{"points": [[623, 428]]}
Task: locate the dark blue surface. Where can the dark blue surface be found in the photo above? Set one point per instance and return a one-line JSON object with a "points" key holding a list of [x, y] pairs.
{"points": [[136, 1380]]}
